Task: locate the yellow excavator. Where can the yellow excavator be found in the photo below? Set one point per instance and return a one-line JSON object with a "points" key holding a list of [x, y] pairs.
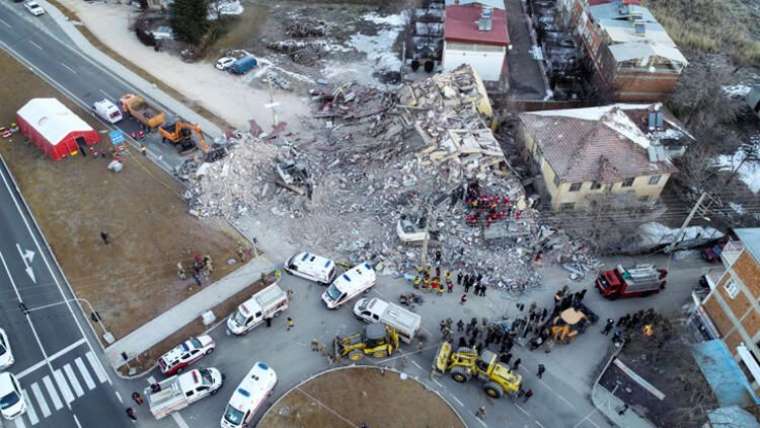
{"points": [[181, 134], [377, 340], [466, 363]]}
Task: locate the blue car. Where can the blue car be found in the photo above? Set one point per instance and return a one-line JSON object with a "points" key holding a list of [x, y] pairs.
{"points": [[243, 65]]}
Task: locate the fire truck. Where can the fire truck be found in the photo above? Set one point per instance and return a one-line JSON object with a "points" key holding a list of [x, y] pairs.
{"points": [[639, 280]]}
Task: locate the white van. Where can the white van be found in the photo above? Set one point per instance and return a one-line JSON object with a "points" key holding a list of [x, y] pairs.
{"points": [[257, 385], [267, 303], [375, 310], [107, 111], [348, 285], [312, 267]]}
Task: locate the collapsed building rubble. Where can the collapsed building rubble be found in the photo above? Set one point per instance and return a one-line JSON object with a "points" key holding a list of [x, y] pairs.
{"points": [[425, 151]]}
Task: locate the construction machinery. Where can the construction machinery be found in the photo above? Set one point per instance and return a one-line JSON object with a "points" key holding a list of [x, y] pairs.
{"points": [[136, 106], [181, 134], [571, 322], [377, 340], [466, 363]]}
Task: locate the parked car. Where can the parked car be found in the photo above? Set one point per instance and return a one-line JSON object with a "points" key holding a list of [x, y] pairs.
{"points": [[12, 403], [243, 65], [34, 8], [107, 111], [185, 354], [6, 355], [224, 63]]}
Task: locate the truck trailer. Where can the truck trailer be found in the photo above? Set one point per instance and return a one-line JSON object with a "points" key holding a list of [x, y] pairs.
{"points": [[177, 392], [136, 106], [639, 280]]}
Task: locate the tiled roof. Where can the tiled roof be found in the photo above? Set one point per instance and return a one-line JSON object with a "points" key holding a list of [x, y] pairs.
{"points": [[585, 148], [461, 24]]}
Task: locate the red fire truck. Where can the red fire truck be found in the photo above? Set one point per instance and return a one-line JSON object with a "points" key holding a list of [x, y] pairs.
{"points": [[639, 280]]}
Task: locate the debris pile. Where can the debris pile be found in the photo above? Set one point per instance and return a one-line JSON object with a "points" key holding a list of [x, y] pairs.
{"points": [[305, 28], [424, 151]]}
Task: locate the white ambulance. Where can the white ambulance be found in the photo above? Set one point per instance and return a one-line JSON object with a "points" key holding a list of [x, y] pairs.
{"points": [[312, 267], [348, 285], [248, 397]]}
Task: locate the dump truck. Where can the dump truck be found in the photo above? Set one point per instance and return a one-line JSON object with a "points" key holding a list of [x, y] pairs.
{"points": [[136, 106], [177, 392], [181, 133], [571, 322], [466, 363], [639, 280], [377, 340]]}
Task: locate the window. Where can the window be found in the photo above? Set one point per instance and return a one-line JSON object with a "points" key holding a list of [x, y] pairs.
{"points": [[644, 198], [567, 206], [731, 288], [596, 185], [628, 182], [654, 179], [576, 187], [556, 180]]}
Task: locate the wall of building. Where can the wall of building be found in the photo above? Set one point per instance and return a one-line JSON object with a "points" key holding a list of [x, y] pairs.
{"points": [[583, 196], [635, 84], [487, 60], [737, 317]]}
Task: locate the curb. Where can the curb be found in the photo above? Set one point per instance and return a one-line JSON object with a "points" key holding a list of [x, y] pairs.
{"points": [[355, 366]]}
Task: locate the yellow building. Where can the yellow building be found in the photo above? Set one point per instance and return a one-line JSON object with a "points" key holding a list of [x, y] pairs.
{"points": [[587, 153]]}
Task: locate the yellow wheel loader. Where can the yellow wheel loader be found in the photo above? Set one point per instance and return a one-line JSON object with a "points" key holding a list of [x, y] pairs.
{"points": [[377, 340], [466, 363]]}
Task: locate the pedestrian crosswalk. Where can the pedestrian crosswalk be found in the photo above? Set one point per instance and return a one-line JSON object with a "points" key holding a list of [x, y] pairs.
{"points": [[67, 383]]}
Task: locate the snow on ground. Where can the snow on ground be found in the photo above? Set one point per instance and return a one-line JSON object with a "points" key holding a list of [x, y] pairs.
{"points": [[749, 172], [738, 91], [225, 95]]}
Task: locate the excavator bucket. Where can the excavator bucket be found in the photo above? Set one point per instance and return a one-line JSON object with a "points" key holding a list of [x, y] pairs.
{"points": [[441, 362], [337, 348]]}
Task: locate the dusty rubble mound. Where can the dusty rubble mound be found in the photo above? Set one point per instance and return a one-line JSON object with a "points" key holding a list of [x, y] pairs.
{"points": [[421, 151]]}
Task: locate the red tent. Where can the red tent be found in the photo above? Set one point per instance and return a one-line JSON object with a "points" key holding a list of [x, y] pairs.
{"points": [[55, 129]]}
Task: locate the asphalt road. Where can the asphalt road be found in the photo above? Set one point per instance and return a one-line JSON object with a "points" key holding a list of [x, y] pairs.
{"points": [[64, 382], [41, 45]]}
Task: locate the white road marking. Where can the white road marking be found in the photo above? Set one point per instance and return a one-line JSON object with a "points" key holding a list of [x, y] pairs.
{"points": [[178, 419], [454, 397], [77, 421], [522, 410], [151, 380], [52, 392], [481, 421], [415, 363], [40, 400], [58, 354], [19, 422], [118, 397], [73, 380], [99, 371], [105, 93], [6, 24], [539, 424], [68, 68], [36, 45], [44, 258], [60, 379], [437, 383], [30, 409], [85, 374]]}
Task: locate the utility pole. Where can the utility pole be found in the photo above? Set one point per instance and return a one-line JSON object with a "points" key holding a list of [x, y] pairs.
{"points": [[698, 208], [423, 257]]}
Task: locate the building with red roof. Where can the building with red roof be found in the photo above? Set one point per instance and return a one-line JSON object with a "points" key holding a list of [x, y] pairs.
{"points": [[476, 35]]}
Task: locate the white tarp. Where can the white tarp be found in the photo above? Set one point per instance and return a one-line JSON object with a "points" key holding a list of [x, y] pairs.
{"points": [[654, 234], [52, 119]]}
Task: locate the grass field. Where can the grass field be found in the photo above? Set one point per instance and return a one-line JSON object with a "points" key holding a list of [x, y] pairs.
{"points": [[134, 279]]}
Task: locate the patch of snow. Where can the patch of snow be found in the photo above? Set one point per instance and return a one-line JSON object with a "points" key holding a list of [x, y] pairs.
{"points": [[653, 234], [738, 208], [749, 172], [392, 20], [589, 113], [619, 122], [738, 91]]}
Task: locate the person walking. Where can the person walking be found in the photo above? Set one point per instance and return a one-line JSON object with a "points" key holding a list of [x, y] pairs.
{"points": [[131, 414], [622, 411], [528, 394], [481, 413], [516, 364], [291, 323], [104, 236], [137, 398], [541, 370], [462, 342], [437, 257], [463, 299], [459, 278], [608, 326], [505, 358], [460, 326]]}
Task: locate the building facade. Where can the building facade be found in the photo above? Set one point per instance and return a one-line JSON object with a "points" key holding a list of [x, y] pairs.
{"points": [[476, 35], [731, 310]]}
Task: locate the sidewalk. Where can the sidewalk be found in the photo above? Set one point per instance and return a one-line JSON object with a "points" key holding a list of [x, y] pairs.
{"points": [[610, 406], [121, 72], [154, 331]]}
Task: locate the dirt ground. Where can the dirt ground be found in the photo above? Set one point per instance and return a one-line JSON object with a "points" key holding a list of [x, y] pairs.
{"points": [[133, 279], [351, 397]]}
